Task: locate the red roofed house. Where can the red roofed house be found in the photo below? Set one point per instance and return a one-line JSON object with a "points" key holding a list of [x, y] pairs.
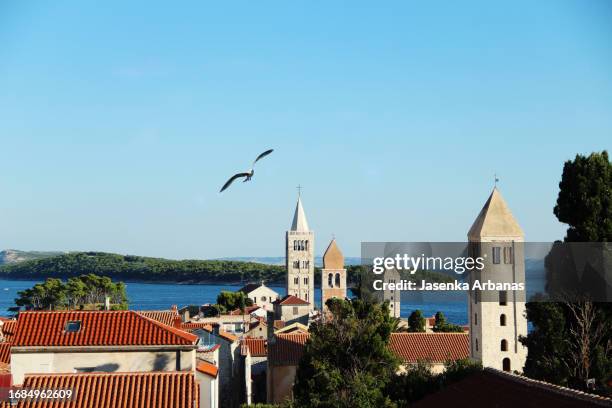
{"points": [[254, 353], [207, 375], [284, 354], [92, 341], [435, 348], [291, 309], [113, 390]]}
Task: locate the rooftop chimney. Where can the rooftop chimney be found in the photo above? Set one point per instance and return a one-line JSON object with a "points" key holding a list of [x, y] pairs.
{"points": [[178, 322]]}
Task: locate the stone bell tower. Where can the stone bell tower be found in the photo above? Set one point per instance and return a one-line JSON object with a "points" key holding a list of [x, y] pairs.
{"points": [[300, 257], [333, 274], [497, 318]]}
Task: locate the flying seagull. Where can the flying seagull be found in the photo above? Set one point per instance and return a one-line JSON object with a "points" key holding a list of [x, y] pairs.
{"points": [[248, 175]]}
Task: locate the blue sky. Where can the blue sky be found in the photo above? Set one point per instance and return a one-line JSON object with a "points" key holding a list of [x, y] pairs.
{"points": [[120, 122]]}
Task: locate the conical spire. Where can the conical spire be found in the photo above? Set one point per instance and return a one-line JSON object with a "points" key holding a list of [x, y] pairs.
{"points": [[333, 258], [299, 218], [495, 220]]}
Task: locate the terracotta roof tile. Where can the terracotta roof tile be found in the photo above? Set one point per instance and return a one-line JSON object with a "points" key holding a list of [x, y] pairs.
{"points": [[287, 349], [5, 353], [291, 300], [163, 316], [435, 347], [112, 390], [207, 368], [8, 329], [257, 347], [98, 328]]}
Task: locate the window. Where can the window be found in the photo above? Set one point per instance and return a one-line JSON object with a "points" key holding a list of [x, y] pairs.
{"points": [[295, 310], [338, 280], [306, 281], [496, 255], [296, 280], [306, 245], [507, 255], [504, 345], [502, 320], [503, 298], [476, 344], [263, 299], [506, 364], [330, 280], [295, 246], [306, 297], [475, 319], [254, 299], [73, 326], [476, 296]]}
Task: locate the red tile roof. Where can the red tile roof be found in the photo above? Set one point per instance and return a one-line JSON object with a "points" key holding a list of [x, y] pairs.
{"points": [[435, 347], [163, 316], [291, 300], [118, 390], [286, 349], [8, 329], [257, 347], [98, 328], [493, 388], [207, 368], [5, 353]]}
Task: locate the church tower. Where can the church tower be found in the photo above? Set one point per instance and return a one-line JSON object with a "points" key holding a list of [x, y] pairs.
{"points": [[497, 318], [333, 275], [300, 257]]}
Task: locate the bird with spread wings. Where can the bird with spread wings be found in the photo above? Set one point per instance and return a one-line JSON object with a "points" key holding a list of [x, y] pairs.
{"points": [[248, 175]]}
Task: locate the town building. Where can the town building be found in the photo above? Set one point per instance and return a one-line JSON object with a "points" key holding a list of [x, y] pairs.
{"points": [[299, 245], [292, 309], [207, 376], [333, 274], [284, 354], [260, 295], [433, 348], [94, 341], [497, 318]]}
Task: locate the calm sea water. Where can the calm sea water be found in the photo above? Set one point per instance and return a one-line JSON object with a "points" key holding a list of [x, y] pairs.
{"points": [[159, 296]]}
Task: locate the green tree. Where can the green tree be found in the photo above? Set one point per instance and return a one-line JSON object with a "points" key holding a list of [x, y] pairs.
{"points": [[443, 326], [416, 322], [228, 301], [347, 362], [570, 341], [585, 198]]}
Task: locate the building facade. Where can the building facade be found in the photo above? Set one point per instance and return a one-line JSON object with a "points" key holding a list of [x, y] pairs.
{"points": [[333, 274], [497, 318], [300, 257]]}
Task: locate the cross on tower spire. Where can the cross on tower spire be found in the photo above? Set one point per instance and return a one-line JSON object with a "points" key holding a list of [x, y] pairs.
{"points": [[496, 179], [299, 188]]}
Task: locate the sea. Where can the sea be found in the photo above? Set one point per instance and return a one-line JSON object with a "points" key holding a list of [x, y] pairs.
{"points": [[160, 296]]}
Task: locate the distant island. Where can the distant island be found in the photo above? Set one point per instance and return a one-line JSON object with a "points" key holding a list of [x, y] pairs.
{"points": [[149, 269]]}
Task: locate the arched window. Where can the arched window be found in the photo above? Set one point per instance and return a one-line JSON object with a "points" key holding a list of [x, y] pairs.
{"points": [[306, 280], [306, 245], [506, 364], [337, 280], [502, 320], [330, 280], [504, 345]]}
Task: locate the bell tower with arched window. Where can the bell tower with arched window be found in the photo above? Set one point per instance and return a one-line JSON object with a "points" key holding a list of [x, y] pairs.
{"points": [[300, 257], [497, 318], [333, 274]]}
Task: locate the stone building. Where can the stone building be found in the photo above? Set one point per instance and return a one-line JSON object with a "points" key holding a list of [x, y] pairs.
{"points": [[333, 274], [300, 257], [497, 318]]}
